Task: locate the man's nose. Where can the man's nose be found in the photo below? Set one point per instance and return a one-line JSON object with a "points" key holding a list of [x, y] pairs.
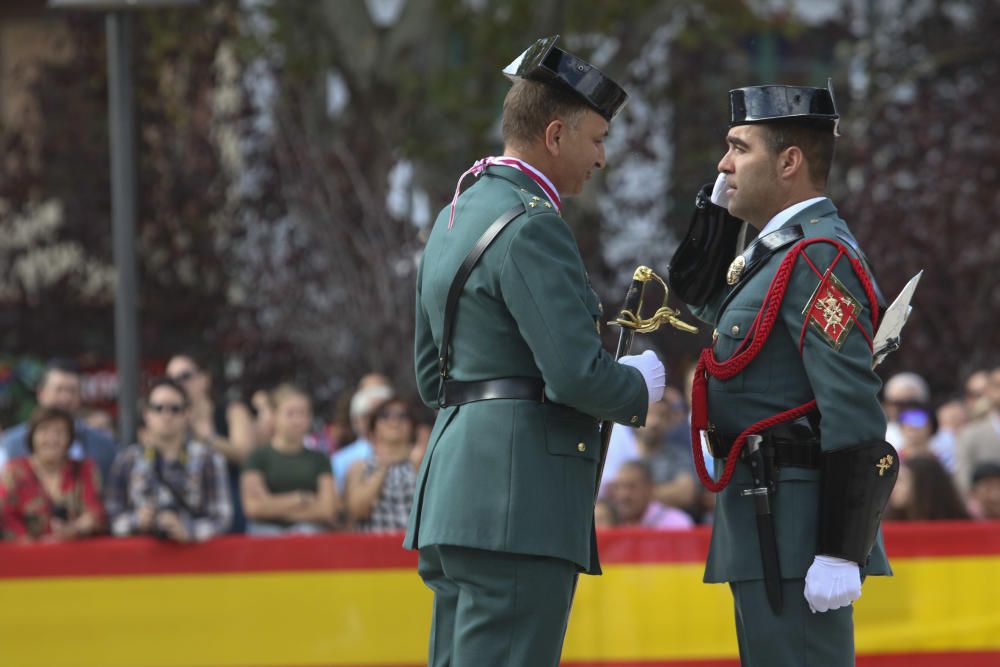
{"points": [[725, 165]]}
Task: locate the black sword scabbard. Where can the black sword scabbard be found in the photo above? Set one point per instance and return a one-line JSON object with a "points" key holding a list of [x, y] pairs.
{"points": [[630, 310]]}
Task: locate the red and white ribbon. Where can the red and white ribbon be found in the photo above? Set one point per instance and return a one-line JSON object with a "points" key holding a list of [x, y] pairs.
{"points": [[476, 169]]}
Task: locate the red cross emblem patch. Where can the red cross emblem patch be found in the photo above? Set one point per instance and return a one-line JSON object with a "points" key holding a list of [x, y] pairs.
{"points": [[831, 311]]}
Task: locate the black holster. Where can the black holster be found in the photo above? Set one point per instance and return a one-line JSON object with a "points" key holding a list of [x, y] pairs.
{"points": [[856, 483], [698, 267]]}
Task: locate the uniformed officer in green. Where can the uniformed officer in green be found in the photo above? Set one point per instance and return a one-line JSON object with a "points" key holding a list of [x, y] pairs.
{"points": [[504, 511], [787, 395]]}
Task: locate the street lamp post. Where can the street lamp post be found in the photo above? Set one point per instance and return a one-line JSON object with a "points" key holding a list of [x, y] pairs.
{"points": [[121, 124]]}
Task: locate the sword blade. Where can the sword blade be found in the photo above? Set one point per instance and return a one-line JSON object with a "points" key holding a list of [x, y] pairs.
{"points": [[886, 339]]}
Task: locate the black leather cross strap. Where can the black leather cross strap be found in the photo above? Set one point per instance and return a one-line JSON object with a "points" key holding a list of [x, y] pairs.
{"points": [[765, 246], [459, 282], [760, 251], [525, 389]]}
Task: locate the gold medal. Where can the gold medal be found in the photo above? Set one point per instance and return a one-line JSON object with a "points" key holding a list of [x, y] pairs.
{"points": [[736, 270]]}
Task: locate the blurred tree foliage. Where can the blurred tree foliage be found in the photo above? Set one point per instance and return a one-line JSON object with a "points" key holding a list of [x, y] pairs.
{"points": [[291, 153], [919, 176]]}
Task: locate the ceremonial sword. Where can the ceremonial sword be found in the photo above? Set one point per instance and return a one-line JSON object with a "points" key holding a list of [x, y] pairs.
{"points": [[631, 322]]}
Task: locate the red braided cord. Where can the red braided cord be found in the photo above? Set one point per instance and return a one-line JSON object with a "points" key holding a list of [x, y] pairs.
{"points": [[760, 330]]}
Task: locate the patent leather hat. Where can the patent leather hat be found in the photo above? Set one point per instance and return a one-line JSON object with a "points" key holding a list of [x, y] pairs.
{"points": [[544, 61], [763, 104]]}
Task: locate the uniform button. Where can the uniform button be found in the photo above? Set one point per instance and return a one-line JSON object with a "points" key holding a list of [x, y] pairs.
{"points": [[581, 447], [635, 419], [715, 335], [735, 330]]}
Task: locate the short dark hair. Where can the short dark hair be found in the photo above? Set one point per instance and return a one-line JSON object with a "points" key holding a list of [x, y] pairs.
{"points": [[530, 106], [42, 416], [58, 365], [642, 467], [985, 470], [379, 411], [164, 381], [816, 141]]}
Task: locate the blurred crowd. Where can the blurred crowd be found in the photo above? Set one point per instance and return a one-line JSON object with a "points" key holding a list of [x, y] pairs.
{"points": [[201, 467]]}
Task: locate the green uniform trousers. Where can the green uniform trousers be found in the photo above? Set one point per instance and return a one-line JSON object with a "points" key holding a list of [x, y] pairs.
{"points": [[494, 609], [795, 638]]}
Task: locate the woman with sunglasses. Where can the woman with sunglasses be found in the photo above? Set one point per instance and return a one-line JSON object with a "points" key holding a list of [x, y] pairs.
{"points": [[379, 489], [47, 496]]}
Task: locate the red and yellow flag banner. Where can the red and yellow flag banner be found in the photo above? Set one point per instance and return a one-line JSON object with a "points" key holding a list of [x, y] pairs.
{"points": [[345, 599]]}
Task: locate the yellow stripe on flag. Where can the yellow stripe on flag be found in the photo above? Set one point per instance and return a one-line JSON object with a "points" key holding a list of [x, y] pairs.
{"points": [[382, 617]]}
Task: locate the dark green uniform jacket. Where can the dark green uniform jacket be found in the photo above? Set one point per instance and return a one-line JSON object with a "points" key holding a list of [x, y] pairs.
{"points": [[780, 378], [512, 475]]}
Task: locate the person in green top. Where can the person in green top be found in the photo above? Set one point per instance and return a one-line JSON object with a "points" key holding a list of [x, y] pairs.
{"points": [[503, 515], [285, 487]]}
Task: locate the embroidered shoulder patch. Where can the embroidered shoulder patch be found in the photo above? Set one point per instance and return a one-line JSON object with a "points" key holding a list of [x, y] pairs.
{"points": [[831, 311]]}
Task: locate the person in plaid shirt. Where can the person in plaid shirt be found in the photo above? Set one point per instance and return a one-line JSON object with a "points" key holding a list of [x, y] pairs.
{"points": [[379, 489], [169, 486]]}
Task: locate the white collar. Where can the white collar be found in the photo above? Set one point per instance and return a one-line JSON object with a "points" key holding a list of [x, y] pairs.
{"points": [[553, 195], [784, 216]]}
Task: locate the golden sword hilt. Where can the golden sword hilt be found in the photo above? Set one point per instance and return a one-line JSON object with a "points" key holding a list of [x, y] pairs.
{"points": [[663, 314]]}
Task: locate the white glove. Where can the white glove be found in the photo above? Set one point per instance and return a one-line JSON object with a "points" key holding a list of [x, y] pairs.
{"points": [[832, 583], [652, 372], [719, 197]]}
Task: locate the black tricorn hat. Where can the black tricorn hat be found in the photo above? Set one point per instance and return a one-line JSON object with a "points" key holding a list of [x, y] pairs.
{"points": [[764, 104], [543, 61]]}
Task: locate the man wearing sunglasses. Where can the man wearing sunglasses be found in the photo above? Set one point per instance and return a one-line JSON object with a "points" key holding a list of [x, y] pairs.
{"points": [[511, 353], [168, 485]]}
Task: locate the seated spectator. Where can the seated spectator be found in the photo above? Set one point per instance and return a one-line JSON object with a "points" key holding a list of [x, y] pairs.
{"points": [[363, 402], [59, 387], [985, 494], [260, 404], [604, 514], [669, 458], [99, 420], [632, 498], [924, 491], [379, 489], [48, 496], [902, 391], [979, 441], [169, 485], [287, 488], [951, 419], [226, 427], [977, 402], [916, 429]]}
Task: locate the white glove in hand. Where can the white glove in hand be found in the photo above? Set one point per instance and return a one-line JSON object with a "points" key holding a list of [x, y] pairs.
{"points": [[652, 372], [832, 583], [719, 197]]}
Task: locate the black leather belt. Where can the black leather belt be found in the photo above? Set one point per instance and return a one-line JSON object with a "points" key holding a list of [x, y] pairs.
{"points": [[795, 444], [524, 389]]}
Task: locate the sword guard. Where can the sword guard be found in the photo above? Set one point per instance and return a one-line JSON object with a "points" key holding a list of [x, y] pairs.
{"points": [[663, 315]]}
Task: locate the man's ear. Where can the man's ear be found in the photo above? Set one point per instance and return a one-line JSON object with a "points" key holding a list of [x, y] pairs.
{"points": [[554, 133], [791, 161]]}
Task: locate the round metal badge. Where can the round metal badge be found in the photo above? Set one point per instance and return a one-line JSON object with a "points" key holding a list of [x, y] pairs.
{"points": [[736, 270]]}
